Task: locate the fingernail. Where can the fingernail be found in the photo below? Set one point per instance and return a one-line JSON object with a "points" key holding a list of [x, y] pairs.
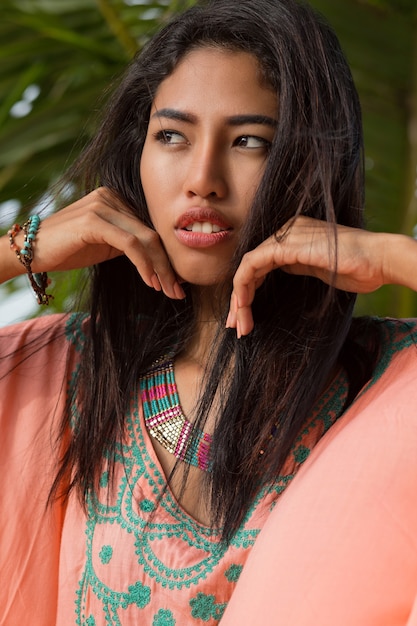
{"points": [[238, 330], [231, 319], [179, 291], [155, 283]]}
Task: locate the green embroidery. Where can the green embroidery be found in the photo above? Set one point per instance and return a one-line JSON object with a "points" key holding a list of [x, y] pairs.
{"points": [[233, 573], [104, 480], [74, 330], [90, 621], [395, 336], [164, 618], [147, 506], [106, 554], [141, 594], [301, 453], [204, 607]]}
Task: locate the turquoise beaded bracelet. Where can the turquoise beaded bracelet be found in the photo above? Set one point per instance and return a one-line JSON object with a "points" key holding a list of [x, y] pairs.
{"points": [[39, 281]]}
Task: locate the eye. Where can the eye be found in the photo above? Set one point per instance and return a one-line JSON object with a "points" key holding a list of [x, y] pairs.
{"points": [[169, 137], [251, 142]]}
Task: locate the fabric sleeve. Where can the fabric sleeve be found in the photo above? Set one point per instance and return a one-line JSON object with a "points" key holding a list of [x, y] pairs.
{"points": [[34, 365], [340, 547]]}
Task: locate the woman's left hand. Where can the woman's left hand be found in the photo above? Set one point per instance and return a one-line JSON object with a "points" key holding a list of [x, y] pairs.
{"points": [[357, 261]]}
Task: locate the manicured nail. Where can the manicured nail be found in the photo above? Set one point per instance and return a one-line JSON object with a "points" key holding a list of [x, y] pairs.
{"points": [[179, 291], [231, 318], [238, 330], [155, 283]]}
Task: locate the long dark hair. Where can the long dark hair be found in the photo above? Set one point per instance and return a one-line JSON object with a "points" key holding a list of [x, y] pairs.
{"points": [[303, 328]]}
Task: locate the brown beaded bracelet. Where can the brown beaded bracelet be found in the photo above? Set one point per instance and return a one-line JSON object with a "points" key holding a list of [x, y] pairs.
{"points": [[38, 281]]}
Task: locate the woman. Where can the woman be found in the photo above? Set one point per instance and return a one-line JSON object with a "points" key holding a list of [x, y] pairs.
{"points": [[146, 444]]}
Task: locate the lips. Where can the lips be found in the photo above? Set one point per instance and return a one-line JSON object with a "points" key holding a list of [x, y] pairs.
{"points": [[201, 216], [202, 227]]}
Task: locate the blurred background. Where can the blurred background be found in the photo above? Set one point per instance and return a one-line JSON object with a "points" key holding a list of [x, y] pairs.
{"points": [[59, 58]]}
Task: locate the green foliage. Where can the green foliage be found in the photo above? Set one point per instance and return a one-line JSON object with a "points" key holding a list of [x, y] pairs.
{"points": [[407, 7]]}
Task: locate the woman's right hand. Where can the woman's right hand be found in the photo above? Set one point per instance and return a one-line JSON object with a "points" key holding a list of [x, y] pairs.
{"points": [[96, 228]]}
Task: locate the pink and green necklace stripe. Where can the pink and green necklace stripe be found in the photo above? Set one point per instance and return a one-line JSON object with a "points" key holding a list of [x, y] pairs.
{"points": [[165, 420]]}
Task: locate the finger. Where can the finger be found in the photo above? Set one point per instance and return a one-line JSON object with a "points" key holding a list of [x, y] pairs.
{"points": [[163, 277], [255, 265], [244, 323], [146, 252], [232, 316]]}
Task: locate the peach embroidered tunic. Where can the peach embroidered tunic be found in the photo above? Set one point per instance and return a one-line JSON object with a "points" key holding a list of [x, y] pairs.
{"points": [[339, 546]]}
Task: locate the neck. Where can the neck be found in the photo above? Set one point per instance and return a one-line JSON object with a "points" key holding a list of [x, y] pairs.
{"points": [[201, 343], [208, 317]]}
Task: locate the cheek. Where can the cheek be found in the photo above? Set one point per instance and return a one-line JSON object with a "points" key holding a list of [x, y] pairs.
{"points": [[156, 197], [245, 187], [252, 189], [156, 178], [145, 172], [148, 176]]}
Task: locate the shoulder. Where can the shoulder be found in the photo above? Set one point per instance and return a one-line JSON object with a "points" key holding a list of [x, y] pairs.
{"points": [[41, 333], [397, 359], [38, 360], [53, 325], [39, 353], [389, 335], [397, 333]]}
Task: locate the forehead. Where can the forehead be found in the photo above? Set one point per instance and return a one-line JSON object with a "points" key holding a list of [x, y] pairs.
{"points": [[214, 79]]}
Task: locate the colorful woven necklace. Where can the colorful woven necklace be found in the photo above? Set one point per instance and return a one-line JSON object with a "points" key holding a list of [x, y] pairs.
{"points": [[165, 420]]}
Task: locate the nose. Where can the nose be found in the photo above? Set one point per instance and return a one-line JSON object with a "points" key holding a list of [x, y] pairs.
{"points": [[206, 174]]}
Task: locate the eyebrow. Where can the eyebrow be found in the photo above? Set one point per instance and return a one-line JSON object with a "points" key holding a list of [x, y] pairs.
{"points": [[233, 120]]}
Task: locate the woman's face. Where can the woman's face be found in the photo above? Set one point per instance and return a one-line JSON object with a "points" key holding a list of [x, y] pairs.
{"points": [[210, 128]]}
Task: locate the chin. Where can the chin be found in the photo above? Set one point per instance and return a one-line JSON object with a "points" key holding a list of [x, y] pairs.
{"points": [[199, 281], [202, 273], [202, 279]]}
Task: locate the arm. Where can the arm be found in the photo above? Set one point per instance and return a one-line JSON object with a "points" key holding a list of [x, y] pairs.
{"points": [[96, 228], [364, 261]]}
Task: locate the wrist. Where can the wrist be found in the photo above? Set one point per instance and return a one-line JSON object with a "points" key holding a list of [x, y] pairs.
{"points": [[401, 260]]}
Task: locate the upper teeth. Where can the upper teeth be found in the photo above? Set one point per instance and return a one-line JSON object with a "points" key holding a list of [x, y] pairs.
{"points": [[204, 227]]}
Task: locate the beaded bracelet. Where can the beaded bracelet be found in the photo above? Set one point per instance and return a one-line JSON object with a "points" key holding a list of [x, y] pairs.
{"points": [[38, 281]]}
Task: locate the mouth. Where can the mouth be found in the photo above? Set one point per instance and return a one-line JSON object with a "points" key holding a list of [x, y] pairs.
{"points": [[202, 220], [202, 227]]}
